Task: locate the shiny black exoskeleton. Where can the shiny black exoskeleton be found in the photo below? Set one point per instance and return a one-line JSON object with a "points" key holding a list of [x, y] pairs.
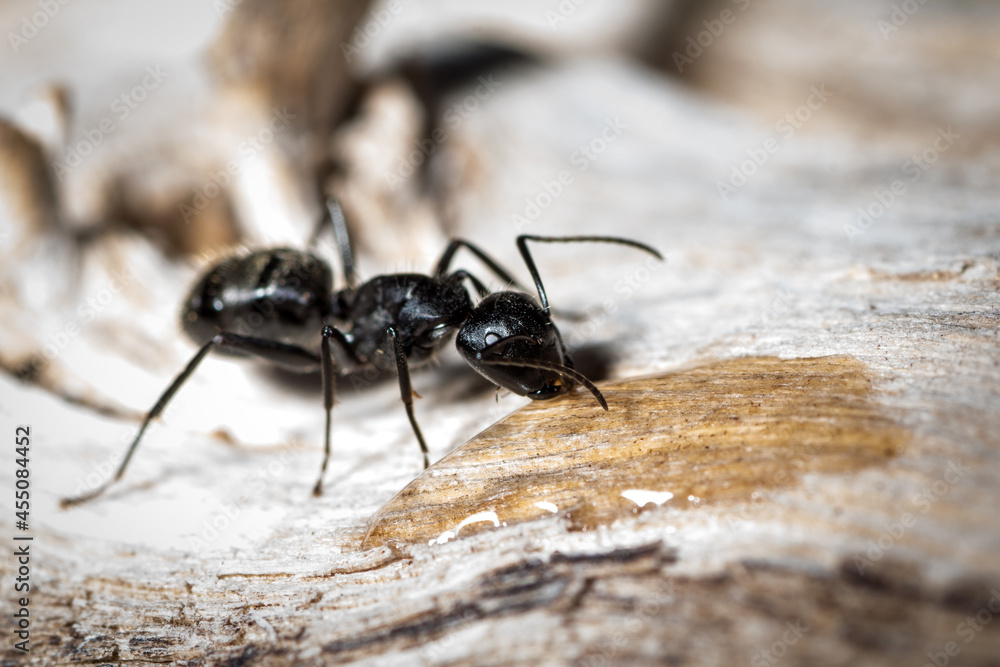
{"points": [[278, 305]]}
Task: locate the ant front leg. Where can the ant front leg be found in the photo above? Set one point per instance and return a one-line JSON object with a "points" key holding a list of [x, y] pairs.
{"points": [[329, 377], [406, 389], [449, 253]]}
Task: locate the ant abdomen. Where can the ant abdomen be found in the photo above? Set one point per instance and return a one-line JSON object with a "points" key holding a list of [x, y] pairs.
{"points": [[279, 294]]}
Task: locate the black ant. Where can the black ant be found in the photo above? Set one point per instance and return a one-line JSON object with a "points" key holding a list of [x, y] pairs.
{"points": [[507, 337]]}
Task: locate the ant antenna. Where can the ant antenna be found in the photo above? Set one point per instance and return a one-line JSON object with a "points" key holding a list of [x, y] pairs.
{"points": [[522, 246], [339, 225], [561, 369]]}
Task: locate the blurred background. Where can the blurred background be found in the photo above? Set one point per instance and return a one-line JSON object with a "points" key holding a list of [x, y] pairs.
{"points": [[820, 176]]}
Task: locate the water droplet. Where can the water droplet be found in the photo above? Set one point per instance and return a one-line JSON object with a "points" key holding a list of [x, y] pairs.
{"points": [[643, 498], [478, 517]]}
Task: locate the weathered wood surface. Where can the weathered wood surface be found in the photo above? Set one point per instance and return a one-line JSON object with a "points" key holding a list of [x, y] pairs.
{"points": [[212, 551]]}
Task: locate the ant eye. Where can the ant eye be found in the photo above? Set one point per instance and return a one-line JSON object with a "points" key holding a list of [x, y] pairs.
{"points": [[491, 338]]}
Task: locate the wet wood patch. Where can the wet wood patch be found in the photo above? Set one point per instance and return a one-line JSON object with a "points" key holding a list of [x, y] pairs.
{"points": [[713, 434]]}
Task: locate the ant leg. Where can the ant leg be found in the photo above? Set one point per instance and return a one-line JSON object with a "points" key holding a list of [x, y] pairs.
{"points": [[455, 244], [288, 356], [522, 246], [462, 274], [406, 390], [329, 393], [339, 225]]}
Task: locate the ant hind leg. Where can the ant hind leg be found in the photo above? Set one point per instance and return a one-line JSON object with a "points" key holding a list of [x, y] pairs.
{"points": [[282, 354]]}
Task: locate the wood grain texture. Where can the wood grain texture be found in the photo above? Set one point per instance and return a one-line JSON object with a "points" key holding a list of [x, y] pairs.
{"points": [[211, 551]]}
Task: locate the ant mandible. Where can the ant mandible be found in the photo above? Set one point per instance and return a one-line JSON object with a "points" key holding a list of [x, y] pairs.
{"points": [[507, 337]]}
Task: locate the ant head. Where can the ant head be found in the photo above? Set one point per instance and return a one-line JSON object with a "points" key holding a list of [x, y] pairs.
{"points": [[512, 342]]}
